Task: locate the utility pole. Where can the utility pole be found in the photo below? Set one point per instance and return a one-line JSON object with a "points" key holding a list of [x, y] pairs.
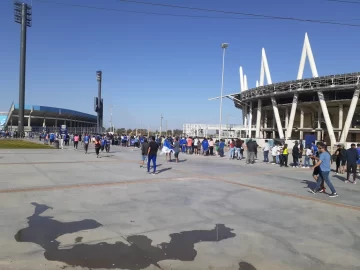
{"points": [[23, 16], [161, 125], [166, 128], [99, 103], [111, 124]]}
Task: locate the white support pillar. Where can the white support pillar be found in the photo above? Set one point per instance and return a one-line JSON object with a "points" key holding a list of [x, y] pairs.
{"points": [[250, 119], [327, 118], [273, 127], [241, 79], [277, 117], [286, 117], [301, 124], [258, 118], [318, 136], [29, 121], [292, 116], [350, 115], [44, 122], [341, 117], [245, 115], [265, 124]]}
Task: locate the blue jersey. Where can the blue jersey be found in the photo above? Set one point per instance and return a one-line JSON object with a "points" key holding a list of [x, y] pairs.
{"points": [[86, 139]]}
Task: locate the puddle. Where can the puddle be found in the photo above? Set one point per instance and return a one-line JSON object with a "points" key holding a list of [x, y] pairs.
{"points": [[139, 253]]}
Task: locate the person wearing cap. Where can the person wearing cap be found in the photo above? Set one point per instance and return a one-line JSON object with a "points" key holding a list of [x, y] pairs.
{"points": [[352, 157]]}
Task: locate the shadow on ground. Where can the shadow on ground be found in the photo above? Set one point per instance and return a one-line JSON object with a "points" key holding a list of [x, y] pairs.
{"points": [[136, 253]]}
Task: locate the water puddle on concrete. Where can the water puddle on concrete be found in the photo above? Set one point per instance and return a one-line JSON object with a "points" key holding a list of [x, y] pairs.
{"points": [[139, 253]]}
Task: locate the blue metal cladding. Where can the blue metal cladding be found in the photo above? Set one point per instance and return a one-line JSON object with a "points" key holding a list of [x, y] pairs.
{"points": [[59, 111]]}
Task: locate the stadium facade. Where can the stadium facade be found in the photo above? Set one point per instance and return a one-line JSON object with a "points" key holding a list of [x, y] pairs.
{"points": [[38, 118], [323, 108]]}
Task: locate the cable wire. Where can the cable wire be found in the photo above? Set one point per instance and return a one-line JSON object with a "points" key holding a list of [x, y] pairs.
{"points": [[243, 13], [344, 1], [143, 12]]}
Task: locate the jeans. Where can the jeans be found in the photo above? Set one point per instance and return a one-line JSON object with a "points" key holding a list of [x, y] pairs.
{"points": [[238, 152], [277, 159], [231, 153], [153, 159], [295, 160], [325, 176], [250, 157], [307, 161], [266, 156]]}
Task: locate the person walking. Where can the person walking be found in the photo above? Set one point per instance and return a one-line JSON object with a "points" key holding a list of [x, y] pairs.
{"points": [[324, 163], [176, 149], [86, 143], [97, 146], [76, 141], [266, 150], [352, 157], [144, 152], [295, 154], [251, 149], [152, 154]]}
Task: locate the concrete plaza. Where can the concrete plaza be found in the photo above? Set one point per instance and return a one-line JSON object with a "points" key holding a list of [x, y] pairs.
{"points": [[64, 209]]}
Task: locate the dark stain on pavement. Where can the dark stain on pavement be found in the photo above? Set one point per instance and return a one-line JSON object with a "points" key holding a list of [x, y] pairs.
{"points": [[246, 266], [136, 252]]}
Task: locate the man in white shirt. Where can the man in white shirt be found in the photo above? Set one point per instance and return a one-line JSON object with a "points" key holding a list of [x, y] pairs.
{"points": [[266, 150]]}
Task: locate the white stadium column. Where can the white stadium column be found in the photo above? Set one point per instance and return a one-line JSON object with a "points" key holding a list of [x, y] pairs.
{"points": [[250, 119], [327, 118], [286, 117], [277, 117], [318, 137], [265, 124], [341, 116], [292, 116], [29, 121], [301, 124], [245, 114], [350, 115], [258, 118]]}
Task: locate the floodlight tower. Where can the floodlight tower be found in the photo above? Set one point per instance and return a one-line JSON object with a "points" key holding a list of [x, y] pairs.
{"points": [[224, 47], [23, 16]]}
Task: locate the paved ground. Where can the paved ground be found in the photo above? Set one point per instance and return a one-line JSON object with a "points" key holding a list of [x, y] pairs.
{"points": [[62, 208]]}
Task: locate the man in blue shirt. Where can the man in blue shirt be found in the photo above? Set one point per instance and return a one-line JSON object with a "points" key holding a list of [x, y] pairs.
{"points": [[86, 142], [324, 163]]}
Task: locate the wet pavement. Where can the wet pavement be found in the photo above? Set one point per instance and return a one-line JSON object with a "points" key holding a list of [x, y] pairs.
{"points": [[62, 209]]}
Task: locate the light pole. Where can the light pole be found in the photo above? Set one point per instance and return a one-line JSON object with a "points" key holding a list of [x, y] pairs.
{"points": [[23, 17], [111, 124], [161, 124], [223, 46], [99, 103]]}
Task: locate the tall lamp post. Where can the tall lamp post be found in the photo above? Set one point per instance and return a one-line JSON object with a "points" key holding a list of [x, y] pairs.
{"points": [[23, 17], [99, 103], [223, 46]]}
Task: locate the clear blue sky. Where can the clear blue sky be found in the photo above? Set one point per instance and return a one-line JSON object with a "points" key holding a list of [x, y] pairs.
{"points": [[171, 65]]}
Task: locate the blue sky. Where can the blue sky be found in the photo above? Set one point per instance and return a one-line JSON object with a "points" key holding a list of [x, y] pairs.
{"points": [[160, 64]]}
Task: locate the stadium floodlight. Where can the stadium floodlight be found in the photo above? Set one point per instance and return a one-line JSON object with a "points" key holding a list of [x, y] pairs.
{"points": [[23, 16], [224, 47]]}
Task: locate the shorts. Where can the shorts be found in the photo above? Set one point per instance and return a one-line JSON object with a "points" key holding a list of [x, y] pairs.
{"points": [[343, 162], [176, 154], [144, 157], [316, 171]]}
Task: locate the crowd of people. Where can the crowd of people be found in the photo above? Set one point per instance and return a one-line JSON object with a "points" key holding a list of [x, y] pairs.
{"points": [[315, 156]]}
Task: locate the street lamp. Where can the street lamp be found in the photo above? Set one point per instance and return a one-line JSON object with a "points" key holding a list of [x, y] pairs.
{"points": [[223, 46]]}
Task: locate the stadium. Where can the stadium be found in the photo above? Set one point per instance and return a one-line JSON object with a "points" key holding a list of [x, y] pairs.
{"points": [[50, 119], [319, 108]]}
